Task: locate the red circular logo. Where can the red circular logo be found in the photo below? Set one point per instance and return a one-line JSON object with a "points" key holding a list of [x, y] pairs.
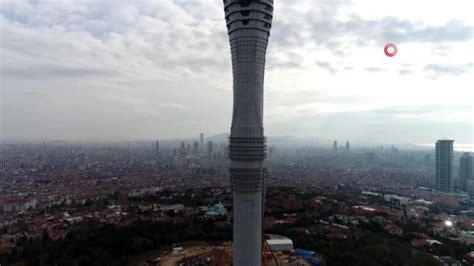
{"points": [[390, 52]]}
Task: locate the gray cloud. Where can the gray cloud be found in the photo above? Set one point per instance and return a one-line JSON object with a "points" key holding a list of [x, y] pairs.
{"points": [[374, 69], [53, 71], [122, 70], [284, 65], [328, 66], [450, 69], [290, 60], [327, 31], [423, 109], [405, 72], [340, 53], [146, 69], [292, 99], [200, 65], [320, 26]]}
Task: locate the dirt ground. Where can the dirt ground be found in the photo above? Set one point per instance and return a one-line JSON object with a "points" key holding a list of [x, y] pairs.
{"points": [[192, 248], [170, 260]]}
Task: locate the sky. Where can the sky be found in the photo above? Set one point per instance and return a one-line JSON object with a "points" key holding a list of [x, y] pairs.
{"points": [[135, 70]]}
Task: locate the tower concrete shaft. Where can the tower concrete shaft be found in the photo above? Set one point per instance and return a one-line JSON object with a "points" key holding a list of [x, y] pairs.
{"points": [[248, 26]]}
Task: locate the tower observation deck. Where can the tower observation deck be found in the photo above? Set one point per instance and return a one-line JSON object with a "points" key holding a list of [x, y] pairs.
{"points": [[248, 26]]}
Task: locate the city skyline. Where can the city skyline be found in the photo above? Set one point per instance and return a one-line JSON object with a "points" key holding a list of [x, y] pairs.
{"points": [[125, 186], [123, 71], [236, 132]]}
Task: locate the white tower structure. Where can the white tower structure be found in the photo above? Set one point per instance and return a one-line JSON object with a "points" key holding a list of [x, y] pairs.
{"points": [[248, 27]]}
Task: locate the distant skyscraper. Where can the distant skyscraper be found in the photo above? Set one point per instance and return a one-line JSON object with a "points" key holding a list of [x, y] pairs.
{"points": [[195, 147], [394, 151], [334, 146], [444, 164], [182, 151], [188, 149], [201, 142], [157, 147], [465, 170], [210, 149], [248, 27], [348, 147]]}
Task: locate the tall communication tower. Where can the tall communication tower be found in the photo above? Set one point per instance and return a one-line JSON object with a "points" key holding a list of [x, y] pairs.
{"points": [[248, 27]]}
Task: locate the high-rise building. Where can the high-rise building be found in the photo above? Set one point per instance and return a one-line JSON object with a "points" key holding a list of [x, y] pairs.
{"points": [[157, 147], [334, 146], [201, 142], [182, 151], [210, 149], [465, 170], [393, 149], [195, 147], [248, 26], [188, 149], [444, 164], [348, 147]]}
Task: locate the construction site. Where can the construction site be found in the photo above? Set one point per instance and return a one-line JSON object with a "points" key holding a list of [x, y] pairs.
{"points": [[277, 251]]}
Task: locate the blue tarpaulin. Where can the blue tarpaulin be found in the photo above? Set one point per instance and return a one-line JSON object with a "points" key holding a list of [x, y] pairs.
{"points": [[304, 253], [308, 255]]}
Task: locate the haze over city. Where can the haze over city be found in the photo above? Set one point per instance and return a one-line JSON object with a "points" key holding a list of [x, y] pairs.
{"points": [[236, 133], [131, 70]]}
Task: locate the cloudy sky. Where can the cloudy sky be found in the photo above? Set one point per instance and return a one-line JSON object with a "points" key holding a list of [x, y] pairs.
{"points": [[96, 70]]}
